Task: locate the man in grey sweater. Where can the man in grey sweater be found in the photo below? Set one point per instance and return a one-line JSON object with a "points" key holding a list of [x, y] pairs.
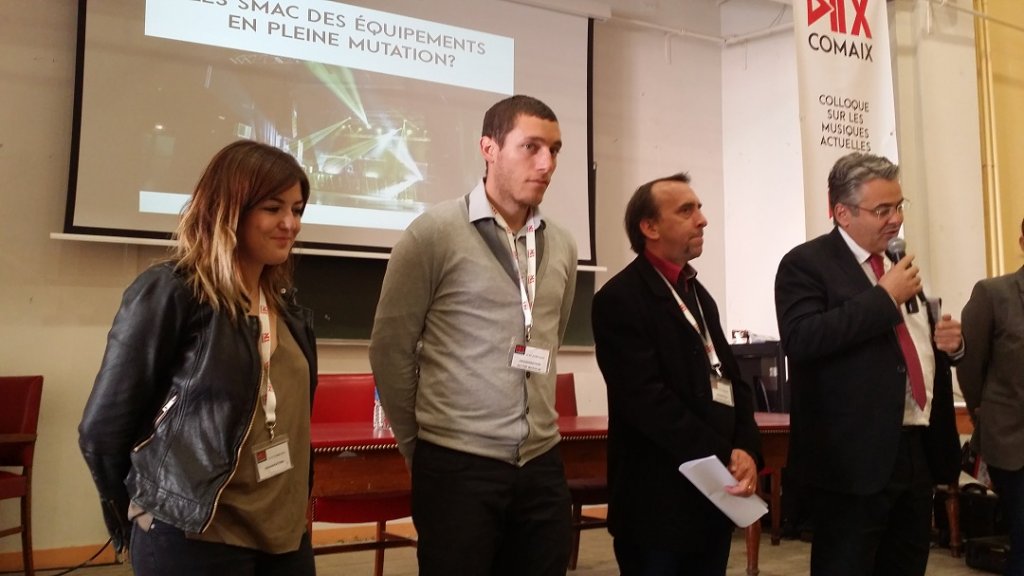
{"points": [[474, 305]]}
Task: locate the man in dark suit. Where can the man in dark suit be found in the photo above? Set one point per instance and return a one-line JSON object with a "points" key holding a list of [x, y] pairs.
{"points": [[991, 376], [873, 427], [674, 393]]}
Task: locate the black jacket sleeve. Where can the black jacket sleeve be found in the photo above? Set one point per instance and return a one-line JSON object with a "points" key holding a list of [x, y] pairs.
{"points": [[131, 385]]}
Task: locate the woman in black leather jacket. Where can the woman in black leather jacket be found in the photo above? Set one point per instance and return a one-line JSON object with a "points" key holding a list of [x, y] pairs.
{"points": [[197, 428]]}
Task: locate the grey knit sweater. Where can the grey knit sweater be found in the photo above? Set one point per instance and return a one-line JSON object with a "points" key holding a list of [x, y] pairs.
{"points": [[446, 321]]}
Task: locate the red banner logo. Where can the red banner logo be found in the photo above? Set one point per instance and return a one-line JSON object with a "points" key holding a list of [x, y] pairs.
{"points": [[836, 11]]}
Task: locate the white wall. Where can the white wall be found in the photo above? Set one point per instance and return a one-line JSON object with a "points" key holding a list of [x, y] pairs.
{"points": [[761, 161], [56, 297], [940, 146], [657, 111]]}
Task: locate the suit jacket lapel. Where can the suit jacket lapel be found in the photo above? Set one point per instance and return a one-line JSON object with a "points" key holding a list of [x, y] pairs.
{"points": [[854, 274], [660, 291], [846, 262]]}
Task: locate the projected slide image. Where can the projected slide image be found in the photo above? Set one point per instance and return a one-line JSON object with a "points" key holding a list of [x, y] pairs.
{"points": [[363, 143], [369, 147], [366, 146], [381, 105]]}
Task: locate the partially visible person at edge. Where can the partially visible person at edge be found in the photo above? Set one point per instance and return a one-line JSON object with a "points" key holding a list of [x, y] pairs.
{"points": [[197, 428], [991, 376], [674, 393], [872, 422], [475, 303]]}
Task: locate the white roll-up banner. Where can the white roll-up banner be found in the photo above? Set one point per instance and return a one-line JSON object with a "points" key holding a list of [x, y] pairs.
{"points": [[846, 91]]}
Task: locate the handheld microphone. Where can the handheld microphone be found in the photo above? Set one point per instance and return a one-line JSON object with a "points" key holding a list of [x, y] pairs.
{"points": [[896, 250]]}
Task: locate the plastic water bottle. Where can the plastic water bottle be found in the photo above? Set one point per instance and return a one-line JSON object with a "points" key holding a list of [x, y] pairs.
{"points": [[380, 421]]}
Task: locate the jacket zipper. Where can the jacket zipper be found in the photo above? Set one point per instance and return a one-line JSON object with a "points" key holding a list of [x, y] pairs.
{"points": [[156, 422], [238, 456], [163, 411]]}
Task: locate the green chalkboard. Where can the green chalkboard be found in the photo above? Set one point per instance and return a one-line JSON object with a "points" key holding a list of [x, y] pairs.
{"points": [[343, 294]]}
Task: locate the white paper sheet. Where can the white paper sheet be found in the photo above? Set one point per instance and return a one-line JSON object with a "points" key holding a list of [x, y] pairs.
{"points": [[711, 477]]}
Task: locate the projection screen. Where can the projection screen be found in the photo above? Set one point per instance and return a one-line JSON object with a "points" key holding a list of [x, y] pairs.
{"points": [[381, 102]]}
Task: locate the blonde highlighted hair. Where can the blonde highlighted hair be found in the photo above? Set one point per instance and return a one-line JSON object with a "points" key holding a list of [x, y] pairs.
{"points": [[237, 179]]}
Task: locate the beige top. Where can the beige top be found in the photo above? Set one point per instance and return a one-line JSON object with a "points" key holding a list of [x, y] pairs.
{"points": [[271, 515]]}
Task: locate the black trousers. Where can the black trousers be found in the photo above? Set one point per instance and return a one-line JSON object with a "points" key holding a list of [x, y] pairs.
{"points": [[165, 551], [478, 516], [707, 556], [1009, 484], [883, 534]]}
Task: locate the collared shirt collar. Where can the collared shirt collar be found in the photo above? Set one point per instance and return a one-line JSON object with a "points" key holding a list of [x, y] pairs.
{"points": [[671, 271], [480, 207], [859, 253]]}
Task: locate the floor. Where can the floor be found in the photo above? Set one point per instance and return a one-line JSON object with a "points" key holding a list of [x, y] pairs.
{"points": [[790, 558]]}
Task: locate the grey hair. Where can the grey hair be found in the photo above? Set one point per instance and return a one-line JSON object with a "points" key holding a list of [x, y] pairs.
{"points": [[850, 172]]}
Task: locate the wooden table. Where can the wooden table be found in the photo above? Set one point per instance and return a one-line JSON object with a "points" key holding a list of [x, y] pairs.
{"points": [[351, 459]]}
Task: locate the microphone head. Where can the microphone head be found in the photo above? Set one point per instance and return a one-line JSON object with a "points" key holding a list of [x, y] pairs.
{"points": [[896, 249]]}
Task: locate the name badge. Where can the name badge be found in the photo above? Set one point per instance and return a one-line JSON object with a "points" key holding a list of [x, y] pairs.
{"points": [[721, 390], [530, 358], [272, 458]]}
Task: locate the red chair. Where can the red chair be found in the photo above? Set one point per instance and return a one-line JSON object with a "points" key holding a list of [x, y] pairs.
{"points": [[350, 398], [584, 491], [343, 398], [19, 416]]}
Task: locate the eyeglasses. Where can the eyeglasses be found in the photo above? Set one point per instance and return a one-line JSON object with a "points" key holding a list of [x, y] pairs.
{"points": [[883, 211]]}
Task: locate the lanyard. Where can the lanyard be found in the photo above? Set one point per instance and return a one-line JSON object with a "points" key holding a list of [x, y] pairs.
{"points": [[709, 346], [527, 290], [267, 397]]}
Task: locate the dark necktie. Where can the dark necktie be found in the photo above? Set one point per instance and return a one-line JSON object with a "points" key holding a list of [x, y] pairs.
{"points": [[906, 346]]}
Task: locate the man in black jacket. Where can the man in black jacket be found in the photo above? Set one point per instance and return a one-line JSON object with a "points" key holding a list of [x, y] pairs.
{"points": [[674, 393], [872, 416]]}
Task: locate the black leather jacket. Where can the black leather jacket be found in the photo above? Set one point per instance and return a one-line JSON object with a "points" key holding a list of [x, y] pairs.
{"points": [[173, 401]]}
